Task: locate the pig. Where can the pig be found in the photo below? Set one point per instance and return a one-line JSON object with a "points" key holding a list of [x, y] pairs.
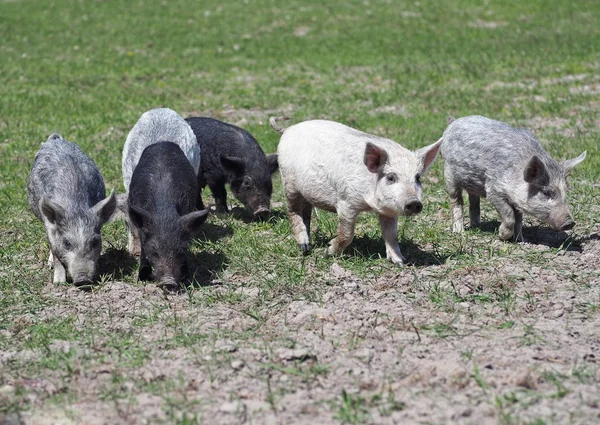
{"points": [[161, 207], [508, 166], [330, 166], [66, 192], [231, 155], [156, 125]]}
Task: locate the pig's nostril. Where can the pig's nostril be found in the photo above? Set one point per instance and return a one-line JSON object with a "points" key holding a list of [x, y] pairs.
{"points": [[262, 214], [568, 225], [82, 281], [414, 207]]}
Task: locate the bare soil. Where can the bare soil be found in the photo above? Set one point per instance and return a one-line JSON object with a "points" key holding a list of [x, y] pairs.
{"points": [[512, 342]]}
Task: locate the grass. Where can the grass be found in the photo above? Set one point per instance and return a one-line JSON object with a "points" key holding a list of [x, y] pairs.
{"points": [[399, 69]]}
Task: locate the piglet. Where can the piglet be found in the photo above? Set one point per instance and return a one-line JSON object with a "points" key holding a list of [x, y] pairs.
{"points": [[161, 207], [66, 192], [231, 155], [155, 125], [508, 166], [330, 166]]}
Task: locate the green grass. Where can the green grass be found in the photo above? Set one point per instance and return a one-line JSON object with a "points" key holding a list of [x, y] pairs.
{"points": [[89, 70]]}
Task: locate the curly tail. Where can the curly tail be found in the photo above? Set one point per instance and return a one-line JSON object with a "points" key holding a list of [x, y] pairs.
{"points": [[273, 121]]}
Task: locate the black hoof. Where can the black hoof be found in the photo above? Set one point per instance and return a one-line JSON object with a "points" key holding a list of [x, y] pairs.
{"points": [[304, 247]]}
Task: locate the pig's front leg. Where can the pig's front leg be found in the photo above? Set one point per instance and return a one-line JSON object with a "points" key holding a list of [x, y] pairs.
{"points": [[345, 230], [389, 230], [474, 210], [145, 270], [220, 194], [133, 240], [507, 217], [518, 225], [60, 274]]}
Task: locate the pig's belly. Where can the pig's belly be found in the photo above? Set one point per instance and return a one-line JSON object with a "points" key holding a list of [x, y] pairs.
{"points": [[473, 186], [320, 190]]}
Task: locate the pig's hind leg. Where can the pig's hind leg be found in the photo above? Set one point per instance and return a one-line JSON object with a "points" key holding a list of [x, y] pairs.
{"points": [[345, 230], [389, 230], [299, 212], [60, 274], [456, 200]]}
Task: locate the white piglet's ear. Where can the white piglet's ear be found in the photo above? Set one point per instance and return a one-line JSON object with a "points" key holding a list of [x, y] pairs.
{"points": [[428, 154], [375, 157], [569, 164]]}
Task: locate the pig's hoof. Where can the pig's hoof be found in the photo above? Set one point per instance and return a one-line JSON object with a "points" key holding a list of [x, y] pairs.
{"points": [[399, 261], [304, 247], [331, 252]]}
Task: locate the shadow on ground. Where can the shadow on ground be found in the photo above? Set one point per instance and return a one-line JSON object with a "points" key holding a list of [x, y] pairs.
{"points": [[539, 235], [118, 263], [246, 216], [212, 232], [204, 266], [374, 248]]}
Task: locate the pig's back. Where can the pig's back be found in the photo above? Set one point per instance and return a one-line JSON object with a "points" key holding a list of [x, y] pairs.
{"points": [[488, 147], [66, 175], [324, 160], [217, 138], [158, 125], [164, 177]]}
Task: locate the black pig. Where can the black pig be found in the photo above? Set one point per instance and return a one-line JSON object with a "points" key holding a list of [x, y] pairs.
{"points": [[231, 155], [161, 203]]}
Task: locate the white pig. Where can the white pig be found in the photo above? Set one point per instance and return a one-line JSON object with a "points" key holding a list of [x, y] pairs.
{"points": [[330, 166]]}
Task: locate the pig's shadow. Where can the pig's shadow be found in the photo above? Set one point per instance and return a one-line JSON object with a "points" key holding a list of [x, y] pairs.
{"points": [[204, 266], [374, 248], [539, 235], [240, 213], [118, 263], [212, 232]]}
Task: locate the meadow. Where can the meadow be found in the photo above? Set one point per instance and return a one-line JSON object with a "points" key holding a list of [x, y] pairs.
{"points": [[471, 331]]}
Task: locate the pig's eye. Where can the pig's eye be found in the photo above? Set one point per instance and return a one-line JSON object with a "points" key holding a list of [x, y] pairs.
{"points": [[418, 178], [67, 245], [391, 178], [548, 193]]}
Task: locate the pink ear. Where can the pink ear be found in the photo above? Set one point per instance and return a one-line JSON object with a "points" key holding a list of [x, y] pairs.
{"points": [[375, 157], [428, 154]]}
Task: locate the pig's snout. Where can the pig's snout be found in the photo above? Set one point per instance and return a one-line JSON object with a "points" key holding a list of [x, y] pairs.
{"points": [[168, 282], [567, 225], [413, 207], [82, 280], [262, 213]]}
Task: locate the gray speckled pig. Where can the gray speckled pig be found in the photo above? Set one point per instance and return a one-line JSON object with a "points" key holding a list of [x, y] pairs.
{"points": [[510, 167]]}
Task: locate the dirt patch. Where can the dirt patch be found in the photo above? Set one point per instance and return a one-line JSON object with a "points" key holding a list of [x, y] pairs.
{"points": [[243, 116], [395, 109], [573, 127], [412, 345]]}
